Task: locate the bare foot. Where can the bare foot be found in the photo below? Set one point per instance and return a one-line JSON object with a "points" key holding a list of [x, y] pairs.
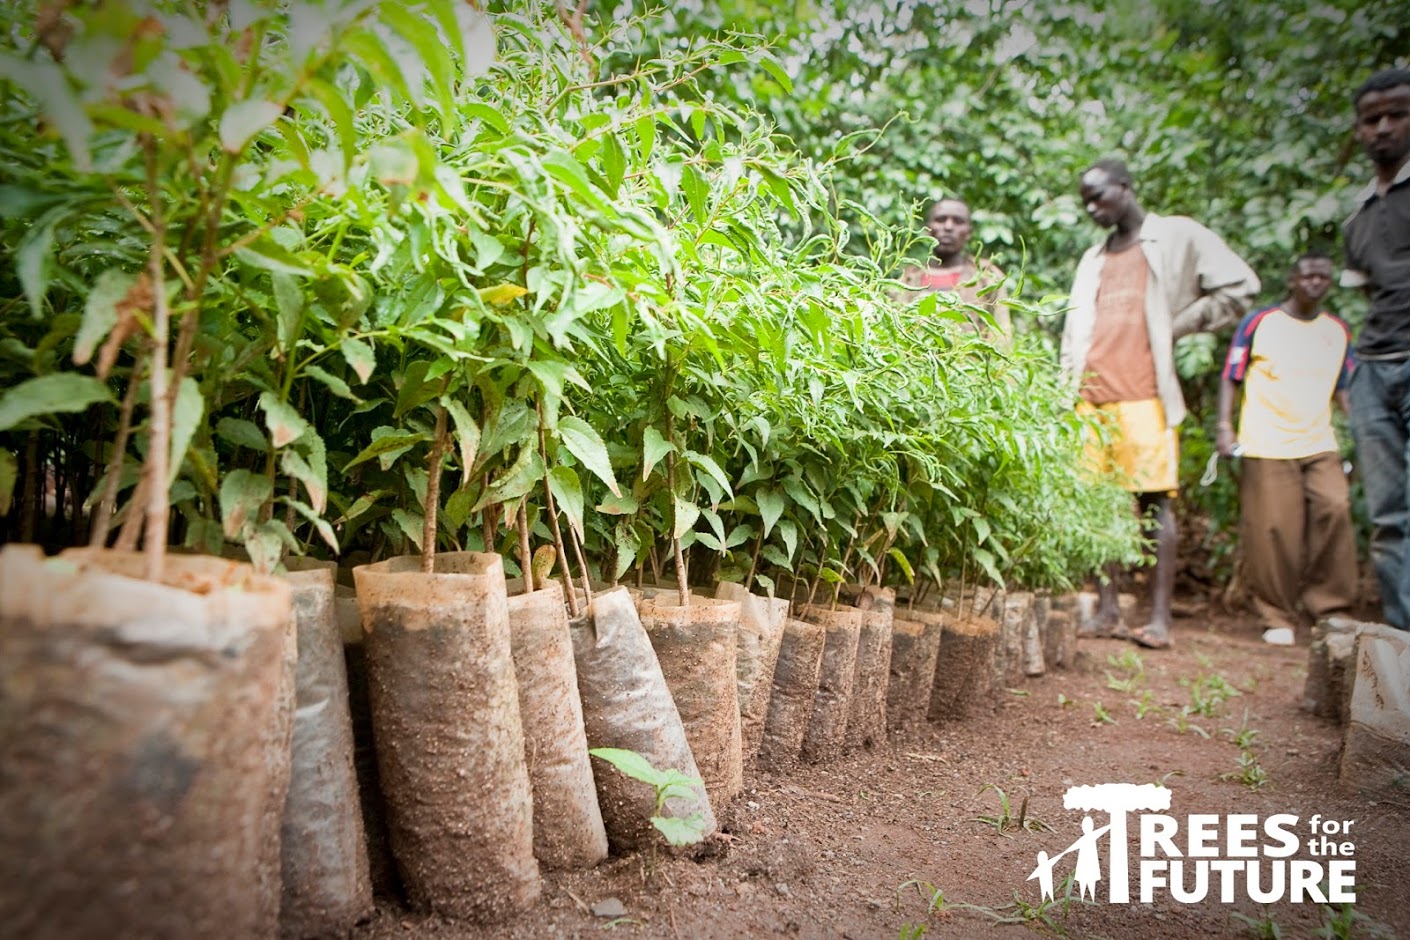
{"points": [[1152, 636]]}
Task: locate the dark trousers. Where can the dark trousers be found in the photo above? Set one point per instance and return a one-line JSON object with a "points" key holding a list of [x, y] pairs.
{"points": [[1298, 544], [1380, 420]]}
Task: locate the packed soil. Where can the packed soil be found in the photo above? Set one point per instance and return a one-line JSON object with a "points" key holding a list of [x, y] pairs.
{"points": [[883, 842]]}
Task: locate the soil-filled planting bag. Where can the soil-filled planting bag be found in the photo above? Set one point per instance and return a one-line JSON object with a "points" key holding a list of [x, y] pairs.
{"points": [[1011, 612], [695, 646], [626, 705], [450, 744], [568, 830], [964, 668], [800, 657], [866, 712], [1375, 758], [386, 880], [327, 887], [826, 736], [144, 741], [1328, 684], [915, 647], [760, 634]]}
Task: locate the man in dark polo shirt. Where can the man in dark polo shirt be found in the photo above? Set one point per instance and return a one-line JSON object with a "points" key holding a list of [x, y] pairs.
{"points": [[1377, 239]]}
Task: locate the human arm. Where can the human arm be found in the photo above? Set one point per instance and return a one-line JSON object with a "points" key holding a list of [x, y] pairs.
{"points": [[1343, 401], [1225, 438], [1221, 286], [1235, 368]]}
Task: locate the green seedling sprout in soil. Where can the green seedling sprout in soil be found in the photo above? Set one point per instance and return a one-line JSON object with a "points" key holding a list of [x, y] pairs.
{"points": [[1063, 701], [1345, 922], [1261, 928], [1005, 819], [1180, 721], [677, 831], [1249, 773], [1101, 716], [1145, 704]]}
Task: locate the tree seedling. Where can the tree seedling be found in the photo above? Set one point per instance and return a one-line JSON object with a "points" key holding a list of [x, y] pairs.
{"points": [[675, 830], [1102, 717]]}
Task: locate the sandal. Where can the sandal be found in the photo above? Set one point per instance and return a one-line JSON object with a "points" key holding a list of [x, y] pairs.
{"points": [[1149, 640]]}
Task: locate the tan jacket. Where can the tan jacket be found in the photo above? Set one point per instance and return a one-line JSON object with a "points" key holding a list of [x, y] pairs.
{"points": [[1197, 284]]}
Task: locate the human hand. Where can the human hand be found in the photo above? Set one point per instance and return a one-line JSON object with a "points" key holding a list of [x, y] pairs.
{"points": [[1226, 441]]}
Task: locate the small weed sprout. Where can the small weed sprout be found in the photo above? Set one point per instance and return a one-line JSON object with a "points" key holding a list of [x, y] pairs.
{"points": [[1250, 773], [1263, 928], [1063, 701], [1102, 717], [1243, 736], [1004, 820], [1144, 704], [1180, 721], [911, 932], [1208, 693], [1344, 921]]}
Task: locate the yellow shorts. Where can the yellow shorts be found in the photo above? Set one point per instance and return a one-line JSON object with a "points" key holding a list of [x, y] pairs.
{"points": [[1138, 445]]}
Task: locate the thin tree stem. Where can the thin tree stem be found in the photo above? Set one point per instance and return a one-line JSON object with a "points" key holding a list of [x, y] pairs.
{"points": [[433, 493]]}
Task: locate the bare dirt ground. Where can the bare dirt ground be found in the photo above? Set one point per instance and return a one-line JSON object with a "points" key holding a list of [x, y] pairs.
{"points": [[888, 843]]}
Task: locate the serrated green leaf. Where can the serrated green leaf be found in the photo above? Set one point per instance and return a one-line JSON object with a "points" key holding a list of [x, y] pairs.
{"points": [[334, 384], [467, 436], [412, 525], [242, 493], [586, 445], [393, 441], [685, 515], [771, 506], [307, 462], [623, 505], [186, 416], [61, 393], [687, 831], [654, 446], [568, 493], [100, 312], [515, 482], [789, 532], [360, 357], [244, 119], [707, 463], [242, 433], [283, 421], [320, 525]]}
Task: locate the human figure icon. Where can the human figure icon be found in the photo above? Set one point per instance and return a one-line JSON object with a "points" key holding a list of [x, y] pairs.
{"points": [[1044, 874], [1088, 870]]}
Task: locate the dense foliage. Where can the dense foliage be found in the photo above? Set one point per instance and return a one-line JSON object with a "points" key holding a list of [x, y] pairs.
{"points": [[374, 277]]}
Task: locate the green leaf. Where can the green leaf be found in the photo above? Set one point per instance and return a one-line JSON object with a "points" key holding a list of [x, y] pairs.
{"points": [[487, 113], [188, 414], [771, 505], [687, 831], [789, 531], [501, 294], [34, 258], [904, 564], [626, 543], [412, 525], [242, 433], [685, 515], [585, 444], [244, 119], [467, 436], [707, 463], [9, 474], [320, 524], [283, 421], [289, 300], [100, 312], [307, 462], [360, 357], [631, 764], [800, 495], [568, 493], [770, 65], [335, 385], [654, 446], [987, 562], [623, 505], [515, 482], [61, 393], [49, 86], [269, 255], [399, 441], [242, 493]]}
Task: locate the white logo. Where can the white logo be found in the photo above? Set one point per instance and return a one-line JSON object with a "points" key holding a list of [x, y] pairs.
{"points": [[1230, 854]]}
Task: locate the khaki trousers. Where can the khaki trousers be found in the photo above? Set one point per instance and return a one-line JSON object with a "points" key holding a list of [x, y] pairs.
{"points": [[1298, 543]]}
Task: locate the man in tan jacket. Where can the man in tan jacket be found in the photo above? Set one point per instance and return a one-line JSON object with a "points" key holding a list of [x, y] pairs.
{"points": [[1151, 281]]}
